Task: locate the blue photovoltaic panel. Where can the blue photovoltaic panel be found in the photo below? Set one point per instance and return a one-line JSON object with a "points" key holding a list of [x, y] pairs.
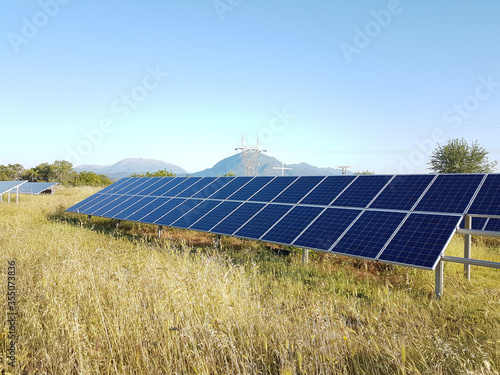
{"points": [[213, 187], [177, 212], [369, 234], [421, 240], [189, 218], [154, 184], [492, 225], [361, 191], [250, 189], [170, 183], [134, 207], [196, 187], [288, 228], [117, 185], [298, 190], [450, 193], [79, 205], [327, 190], [213, 217], [487, 201], [402, 192], [272, 189], [118, 199], [237, 218], [163, 206], [230, 188], [181, 187], [477, 223], [130, 187], [90, 203], [92, 208], [34, 188], [138, 188], [5, 186], [121, 206], [325, 230], [261, 222]]}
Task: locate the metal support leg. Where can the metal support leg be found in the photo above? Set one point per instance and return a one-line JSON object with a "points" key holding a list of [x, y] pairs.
{"points": [[439, 279], [217, 241], [159, 231], [118, 222], [9, 197], [467, 246], [305, 256], [89, 218], [17, 195]]}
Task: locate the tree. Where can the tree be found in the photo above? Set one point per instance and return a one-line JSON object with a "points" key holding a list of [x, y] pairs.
{"points": [[367, 172], [457, 156], [11, 172], [159, 173], [91, 179]]}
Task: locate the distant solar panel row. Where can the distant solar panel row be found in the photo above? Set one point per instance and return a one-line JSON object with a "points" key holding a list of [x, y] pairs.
{"points": [[35, 188], [402, 219], [6, 186]]}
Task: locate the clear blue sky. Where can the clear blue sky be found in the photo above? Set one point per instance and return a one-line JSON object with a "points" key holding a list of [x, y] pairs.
{"points": [[369, 84]]}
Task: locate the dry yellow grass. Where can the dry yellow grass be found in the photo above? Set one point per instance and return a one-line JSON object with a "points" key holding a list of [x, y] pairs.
{"points": [[92, 300]]}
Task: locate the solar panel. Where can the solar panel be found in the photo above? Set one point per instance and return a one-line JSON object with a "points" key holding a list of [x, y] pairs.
{"points": [[361, 191], [324, 231], [211, 219], [401, 219], [298, 189], [492, 225], [6, 186], [487, 201], [250, 189], [272, 189], [403, 192], [369, 233], [421, 240], [178, 211], [292, 224], [478, 223], [35, 188], [188, 219], [237, 218], [450, 193], [327, 190], [260, 223]]}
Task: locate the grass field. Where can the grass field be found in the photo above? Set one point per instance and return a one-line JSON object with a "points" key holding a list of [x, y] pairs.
{"points": [[94, 300]]}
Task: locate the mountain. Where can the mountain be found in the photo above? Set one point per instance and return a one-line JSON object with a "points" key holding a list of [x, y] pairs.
{"points": [[127, 167], [265, 166]]}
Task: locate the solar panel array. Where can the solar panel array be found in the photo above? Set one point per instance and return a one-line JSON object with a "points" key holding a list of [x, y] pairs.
{"points": [[6, 186], [35, 188], [400, 219]]}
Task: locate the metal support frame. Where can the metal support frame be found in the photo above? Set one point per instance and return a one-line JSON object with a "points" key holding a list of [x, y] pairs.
{"points": [[217, 241], [472, 262], [118, 222], [89, 218], [439, 279], [160, 228], [9, 197], [305, 256], [467, 246]]}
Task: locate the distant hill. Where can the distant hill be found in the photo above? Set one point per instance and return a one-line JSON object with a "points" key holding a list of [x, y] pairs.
{"points": [[265, 167], [127, 167]]}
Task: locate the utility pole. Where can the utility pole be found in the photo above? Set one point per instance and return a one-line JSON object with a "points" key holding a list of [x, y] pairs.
{"points": [[282, 168], [249, 155], [344, 168]]}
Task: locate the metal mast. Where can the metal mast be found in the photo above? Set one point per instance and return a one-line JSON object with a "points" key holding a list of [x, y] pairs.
{"points": [[249, 155]]}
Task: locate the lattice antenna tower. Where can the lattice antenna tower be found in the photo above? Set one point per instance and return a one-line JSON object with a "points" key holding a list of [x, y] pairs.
{"points": [[249, 155]]}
